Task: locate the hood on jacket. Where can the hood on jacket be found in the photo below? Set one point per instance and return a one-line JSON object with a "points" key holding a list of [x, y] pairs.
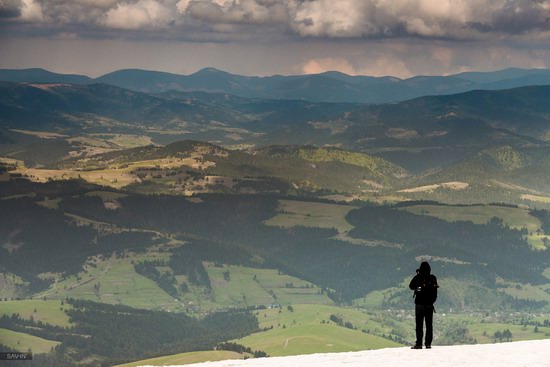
{"points": [[425, 268]]}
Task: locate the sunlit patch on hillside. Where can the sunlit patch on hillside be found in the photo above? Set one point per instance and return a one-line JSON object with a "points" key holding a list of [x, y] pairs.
{"points": [[445, 185], [41, 134]]}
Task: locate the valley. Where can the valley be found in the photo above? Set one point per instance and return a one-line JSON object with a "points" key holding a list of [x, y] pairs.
{"points": [[155, 226]]}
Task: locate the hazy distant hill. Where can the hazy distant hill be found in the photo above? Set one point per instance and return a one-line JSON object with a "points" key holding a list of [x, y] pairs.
{"points": [[524, 110], [419, 134], [502, 167], [66, 104], [37, 75], [506, 113], [324, 87]]}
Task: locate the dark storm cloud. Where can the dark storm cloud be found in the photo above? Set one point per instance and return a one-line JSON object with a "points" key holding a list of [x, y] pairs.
{"points": [[518, 17], [10, 8], [244, 11]]}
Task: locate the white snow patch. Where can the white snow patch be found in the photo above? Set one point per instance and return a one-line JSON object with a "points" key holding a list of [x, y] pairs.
{"points": [[516, 354]]}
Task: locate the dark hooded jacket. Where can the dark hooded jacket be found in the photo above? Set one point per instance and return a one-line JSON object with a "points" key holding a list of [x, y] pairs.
{"points": [[424, 285]]}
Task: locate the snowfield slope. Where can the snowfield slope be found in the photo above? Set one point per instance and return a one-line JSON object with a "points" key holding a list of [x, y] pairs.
{"points": [[530, 353]]}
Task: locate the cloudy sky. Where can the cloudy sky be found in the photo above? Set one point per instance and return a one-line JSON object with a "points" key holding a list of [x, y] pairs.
{"points": [[265, 37]]}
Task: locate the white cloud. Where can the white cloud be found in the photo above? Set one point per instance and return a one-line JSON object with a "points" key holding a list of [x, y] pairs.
{"points": [[375, 65], [317, 66], [182, 5], [386, 65], [31, 11], [345, 18], [148, 14]]}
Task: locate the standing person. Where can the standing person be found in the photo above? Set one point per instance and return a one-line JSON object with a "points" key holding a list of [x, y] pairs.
{"points": [[425, 287]]}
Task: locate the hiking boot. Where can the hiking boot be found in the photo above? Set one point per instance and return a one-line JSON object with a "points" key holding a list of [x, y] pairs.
{"points": [[416, 347], [428, 347]]}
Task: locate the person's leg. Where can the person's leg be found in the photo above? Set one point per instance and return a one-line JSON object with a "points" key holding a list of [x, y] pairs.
{"points": [[419, 318], [429, 316]]}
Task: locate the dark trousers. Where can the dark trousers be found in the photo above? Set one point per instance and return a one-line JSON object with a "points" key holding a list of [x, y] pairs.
{"points": [[424, 313]]}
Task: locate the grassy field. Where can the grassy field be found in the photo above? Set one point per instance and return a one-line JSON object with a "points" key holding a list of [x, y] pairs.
{"points": [[308, 214], [480, 214], [536, 241], [374, 300], [22, 342], [101, 143], [186, 358], [308, 329], [115, 175], [527, 291], [542, 199], [484, 332], [248, 286], [118, 175], [127, 140], [114, 281], [49, 311]]}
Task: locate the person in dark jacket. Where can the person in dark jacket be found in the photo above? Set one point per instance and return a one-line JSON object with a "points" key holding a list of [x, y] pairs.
{"points": [[424, 285]]}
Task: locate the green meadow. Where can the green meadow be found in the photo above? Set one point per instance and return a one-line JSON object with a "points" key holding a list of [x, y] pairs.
{"points": [[250, 286], [528, 291], [307, 329], [484, 331], [23, 342], [536, 198], [48, 311], [113, 280]]}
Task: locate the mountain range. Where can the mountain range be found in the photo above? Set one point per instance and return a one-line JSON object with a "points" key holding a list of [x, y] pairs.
{"points": [[325, 87], [433, 139], [456, 125]]}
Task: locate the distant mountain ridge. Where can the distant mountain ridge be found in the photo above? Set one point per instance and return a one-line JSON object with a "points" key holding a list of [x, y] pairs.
{"points": [[330, 86], [37, 75]]}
